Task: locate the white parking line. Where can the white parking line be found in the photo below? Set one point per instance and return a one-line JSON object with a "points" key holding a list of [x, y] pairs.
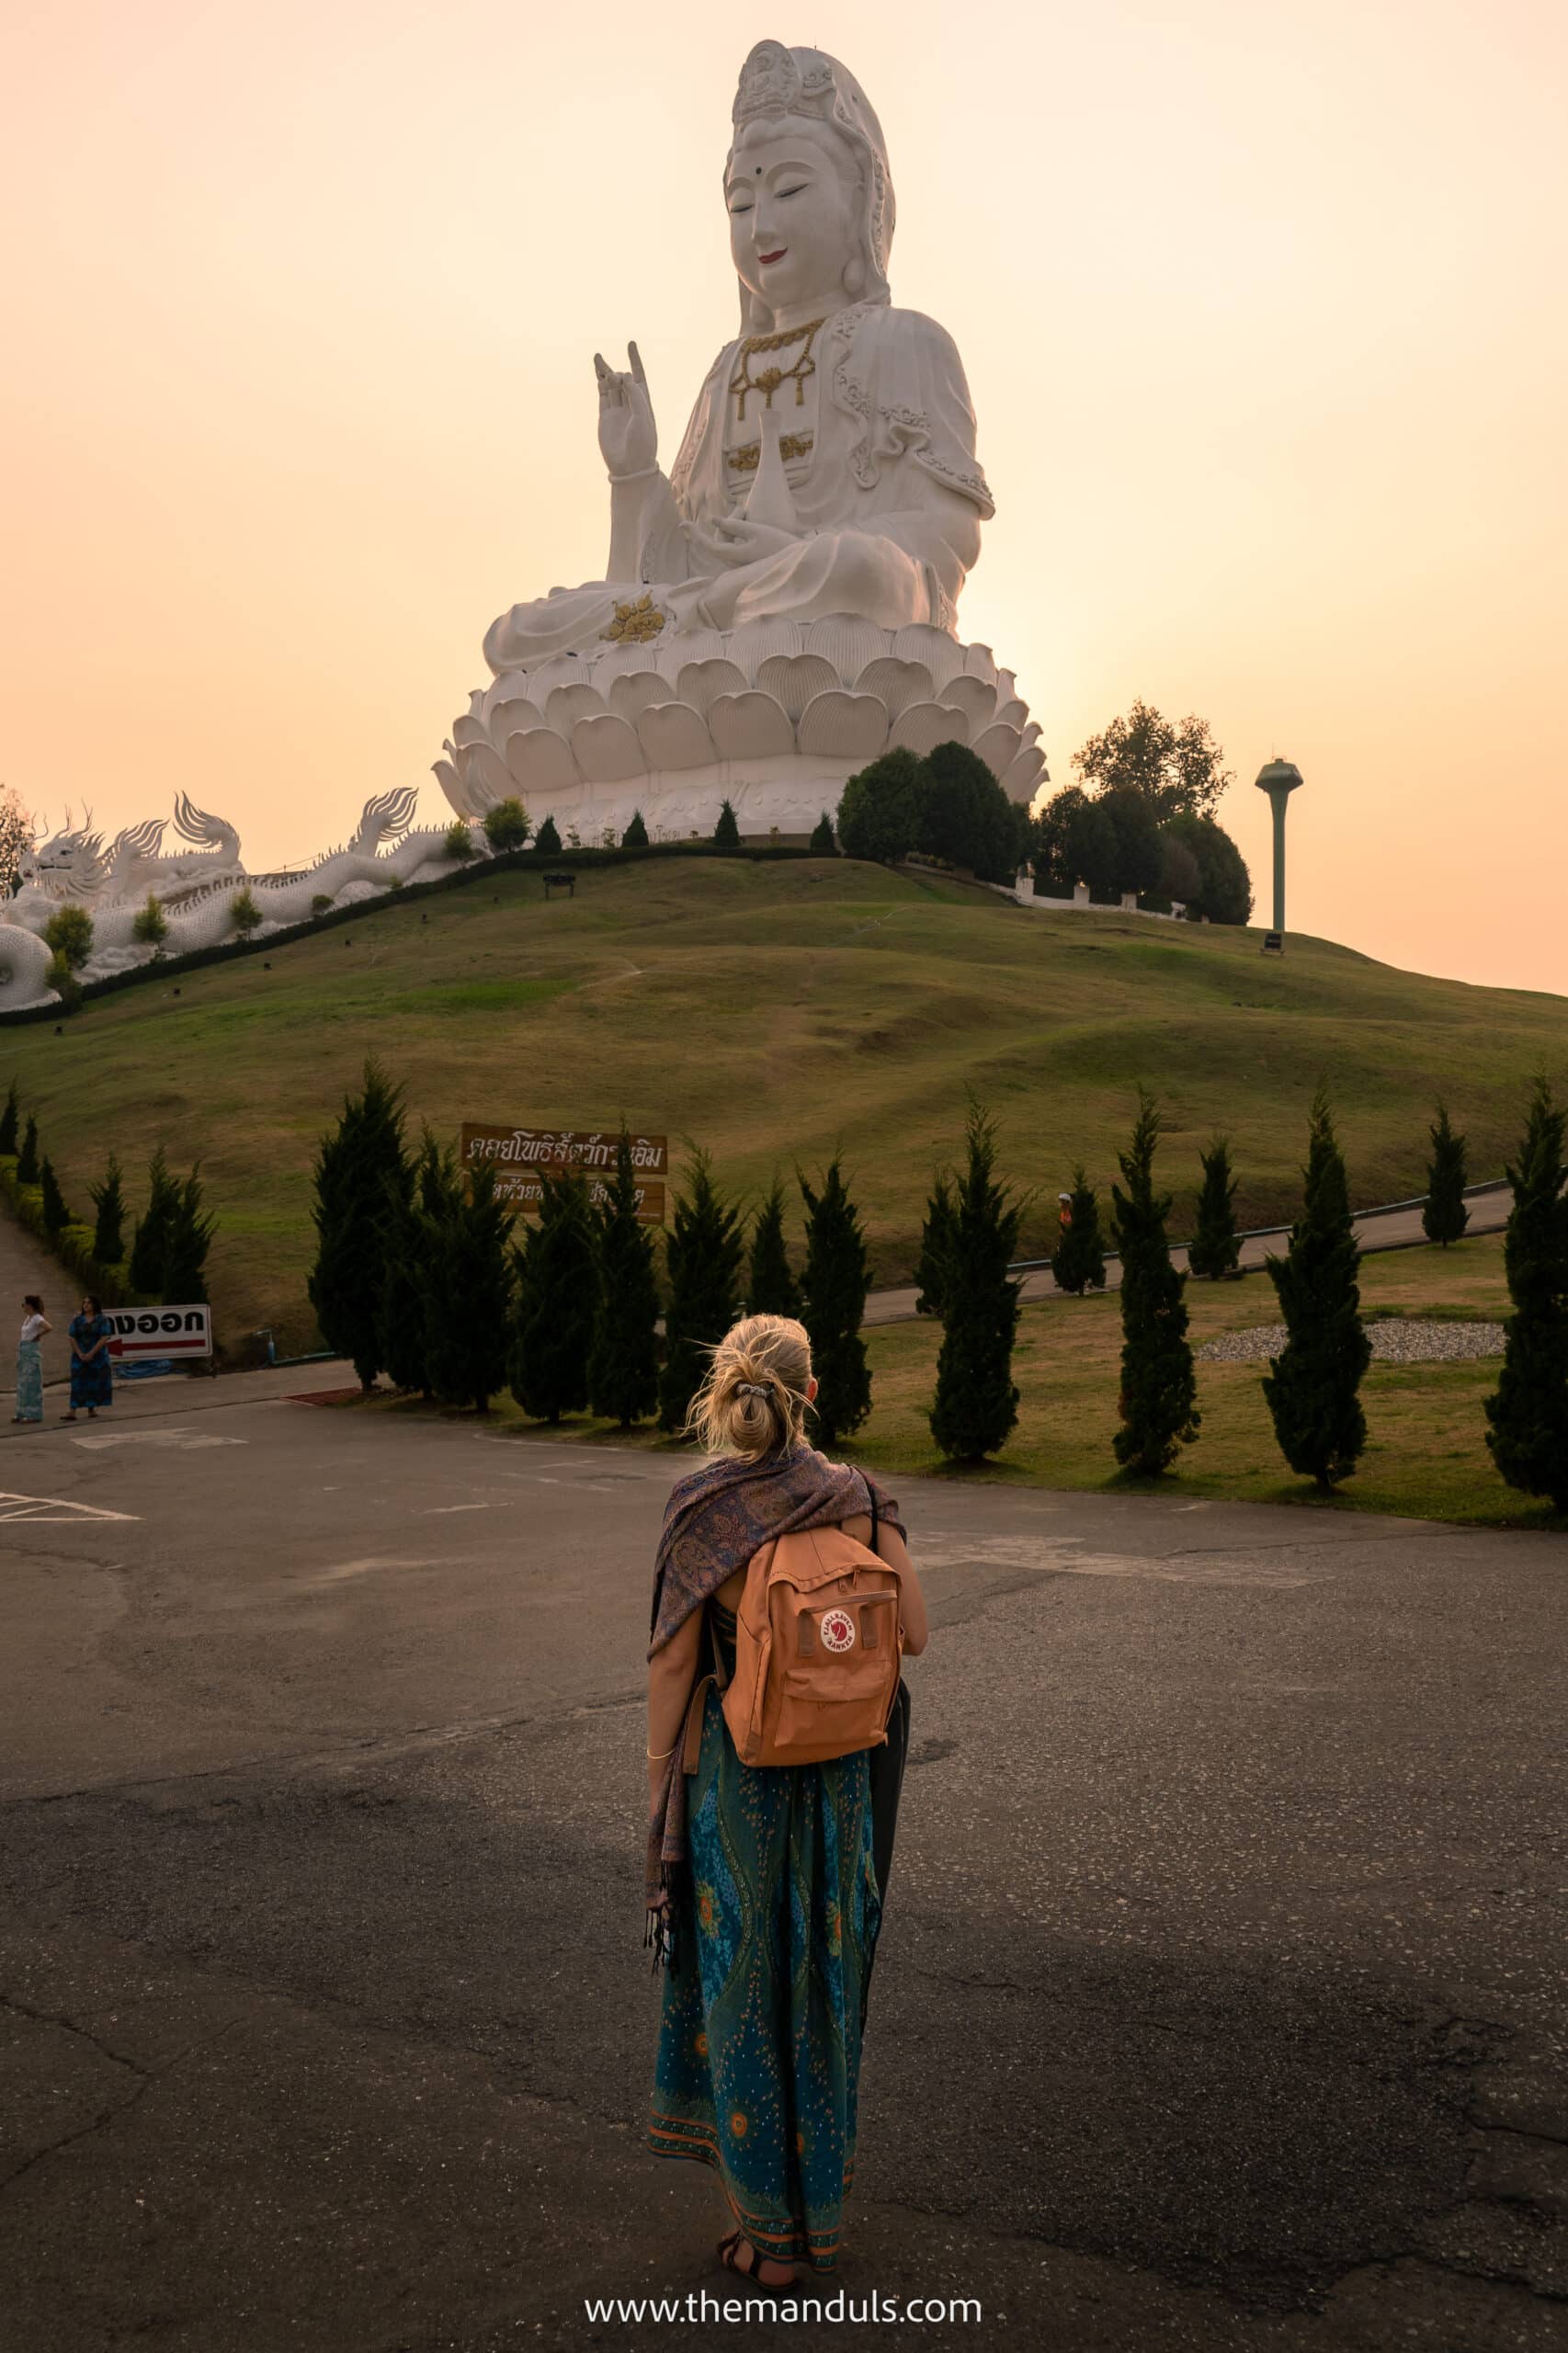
{"points": [[56, 1507], [182, 1439]]}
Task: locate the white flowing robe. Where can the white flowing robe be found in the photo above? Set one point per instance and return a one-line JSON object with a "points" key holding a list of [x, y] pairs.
{"points": [[889, 502]]}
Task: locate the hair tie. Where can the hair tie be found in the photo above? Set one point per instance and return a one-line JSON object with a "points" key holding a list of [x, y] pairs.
{"points": [[750, 1389]]}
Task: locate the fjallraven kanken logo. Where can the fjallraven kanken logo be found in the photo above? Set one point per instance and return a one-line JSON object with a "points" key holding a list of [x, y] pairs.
{"points": [[818, 1646]]}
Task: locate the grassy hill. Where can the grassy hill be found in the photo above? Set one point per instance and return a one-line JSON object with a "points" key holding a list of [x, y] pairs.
{"points": [[773, 1012]]}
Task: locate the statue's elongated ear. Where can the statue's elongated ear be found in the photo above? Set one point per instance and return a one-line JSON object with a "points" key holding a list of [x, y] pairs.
{"points": [[855, 277]]}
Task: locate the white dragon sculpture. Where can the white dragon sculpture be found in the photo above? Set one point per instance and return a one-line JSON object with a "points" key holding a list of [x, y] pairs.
{"points": [[195, 885]]}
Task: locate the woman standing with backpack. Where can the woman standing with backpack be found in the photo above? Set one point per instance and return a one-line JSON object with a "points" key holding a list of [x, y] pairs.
{"points": [[783, 1600]]}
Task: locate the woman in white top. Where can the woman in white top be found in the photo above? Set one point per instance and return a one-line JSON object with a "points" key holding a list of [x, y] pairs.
{"points": [[29, 1360]]}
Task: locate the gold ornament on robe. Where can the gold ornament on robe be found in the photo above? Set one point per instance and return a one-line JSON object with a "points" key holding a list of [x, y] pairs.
{"points": [[748, 457], [635, 623], [767, 382]]}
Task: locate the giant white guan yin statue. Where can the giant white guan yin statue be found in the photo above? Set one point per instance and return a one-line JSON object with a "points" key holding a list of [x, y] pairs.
{"points": [[781, 604]]}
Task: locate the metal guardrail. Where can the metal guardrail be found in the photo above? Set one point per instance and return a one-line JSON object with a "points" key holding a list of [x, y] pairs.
{"points": [[1263, 1233]]}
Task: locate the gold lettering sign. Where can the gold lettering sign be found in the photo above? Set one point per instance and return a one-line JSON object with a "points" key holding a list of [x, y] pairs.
{"points": [[521, 1157]]}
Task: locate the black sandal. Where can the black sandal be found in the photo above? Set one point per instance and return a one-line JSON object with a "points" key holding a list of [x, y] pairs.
{"points": [[729, 2250]]}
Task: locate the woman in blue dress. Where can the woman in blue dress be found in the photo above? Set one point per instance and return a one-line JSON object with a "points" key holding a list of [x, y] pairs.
{"points": [[763, 1898], [92, 1375], [29, 1360]]}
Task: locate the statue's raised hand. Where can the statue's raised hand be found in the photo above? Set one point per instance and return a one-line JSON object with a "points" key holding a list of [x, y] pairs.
{"points": [[629, 438]]}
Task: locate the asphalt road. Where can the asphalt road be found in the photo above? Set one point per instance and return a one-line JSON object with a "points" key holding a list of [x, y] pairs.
{"points": [[1224, 1993]]}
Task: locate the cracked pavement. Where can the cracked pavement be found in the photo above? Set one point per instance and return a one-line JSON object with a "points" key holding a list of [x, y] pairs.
{"points": [[1220, 2004]]}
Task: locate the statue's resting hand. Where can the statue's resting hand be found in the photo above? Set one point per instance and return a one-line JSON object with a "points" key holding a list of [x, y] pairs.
{"points": [[733, 541], [629, 438]]}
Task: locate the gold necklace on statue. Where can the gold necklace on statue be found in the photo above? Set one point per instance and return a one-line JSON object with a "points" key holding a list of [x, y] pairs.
{"points": [[768, 380]]}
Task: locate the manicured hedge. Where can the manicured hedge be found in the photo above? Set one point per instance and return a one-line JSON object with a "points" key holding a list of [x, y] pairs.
{"points": [[72, 1245]]}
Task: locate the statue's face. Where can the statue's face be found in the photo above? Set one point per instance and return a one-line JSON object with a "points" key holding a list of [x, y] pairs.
{"points": [[792, 225]]}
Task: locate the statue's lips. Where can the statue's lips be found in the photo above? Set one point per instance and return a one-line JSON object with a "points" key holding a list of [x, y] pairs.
{"points": [[764, 259]]}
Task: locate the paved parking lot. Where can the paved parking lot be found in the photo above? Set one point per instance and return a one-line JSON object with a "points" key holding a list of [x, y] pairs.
{"points": [[1221, 2004]]}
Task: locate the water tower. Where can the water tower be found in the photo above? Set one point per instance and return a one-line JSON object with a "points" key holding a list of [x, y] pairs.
{"points": [[1279, 779]]}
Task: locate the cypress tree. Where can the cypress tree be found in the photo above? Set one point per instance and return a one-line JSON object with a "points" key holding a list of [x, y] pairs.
{"points": [[1444, 1216], [183, 1277], [822, 843], [108, 1201], [1529, 1412], [727, 833], [834, 1284], [150, 1244], [56, 1216], [9, 1118], [1159, 1389], [436, 1186], [548, 838], [702, 1253], [636, 834], [771, 1288], [1215, 1247], [557, 1301], [1314, 1389], [466, 1286], [623, 1370], [1078, 1263], [976, 1402], [27, 1161], [935, 1249], [359, 1165]]}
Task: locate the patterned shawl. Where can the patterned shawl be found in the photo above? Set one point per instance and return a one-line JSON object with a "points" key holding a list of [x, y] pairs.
{"points": [[714, 1521]]}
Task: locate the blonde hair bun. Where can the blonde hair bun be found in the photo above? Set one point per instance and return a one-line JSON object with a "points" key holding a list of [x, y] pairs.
{"points": [[753, 1402]]}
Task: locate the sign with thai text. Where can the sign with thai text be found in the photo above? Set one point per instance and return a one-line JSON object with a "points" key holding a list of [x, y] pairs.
{"points": [[174, 1332], [523, 1156]]}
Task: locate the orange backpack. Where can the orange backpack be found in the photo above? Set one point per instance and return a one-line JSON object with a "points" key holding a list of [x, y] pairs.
{"points": [[818, 1642]]}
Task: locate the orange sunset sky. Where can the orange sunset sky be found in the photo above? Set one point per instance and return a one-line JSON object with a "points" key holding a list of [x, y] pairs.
{"points": [[1262, 309]]}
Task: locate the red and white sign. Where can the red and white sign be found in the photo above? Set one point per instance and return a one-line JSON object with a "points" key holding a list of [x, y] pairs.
{"points": [[141, 1332], [838, 1631]]}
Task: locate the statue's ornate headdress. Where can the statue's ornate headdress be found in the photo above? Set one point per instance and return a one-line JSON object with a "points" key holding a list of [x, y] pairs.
{"points": [[777, 81]]}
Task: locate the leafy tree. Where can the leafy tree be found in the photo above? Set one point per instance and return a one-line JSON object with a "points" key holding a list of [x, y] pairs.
{"points": [[1314, 1389], [822, 843], [9, 1120], [466, 1290], [1178, 770], [727, 833], [507, 825], [1181, 877], [360, 1166], [1444, 1216], [703, 1250], [1215, 1247], [184, 1272], [17, 836], [154, 1229], [244, 914], [623, 1370], [966, 817], [936, 1248], [1529, 1412], [882, 811], [976, 1402], [1078, 1263], [1224, 889], [411, 1213], [1139, 856], [69, 932], [547, 839], [834, 1283], [636, 834], [27, 1161], [1159, 1389], [56, 1216], [457, 843], [64, 984], [771, 1288], [151, 926], [108, 1201], [558, 1290], [1076, 841], [319, 901]]}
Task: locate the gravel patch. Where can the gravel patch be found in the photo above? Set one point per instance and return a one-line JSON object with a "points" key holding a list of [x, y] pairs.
{"points": [[1397, 1340]]}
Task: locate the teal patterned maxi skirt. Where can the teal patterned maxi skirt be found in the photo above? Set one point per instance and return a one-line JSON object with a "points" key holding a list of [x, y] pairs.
{"points": [[30, 1382], [758, 2062]]}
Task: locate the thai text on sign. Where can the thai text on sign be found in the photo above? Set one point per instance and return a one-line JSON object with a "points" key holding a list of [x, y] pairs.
{"points": [[523, 1156], [160, 1332]]}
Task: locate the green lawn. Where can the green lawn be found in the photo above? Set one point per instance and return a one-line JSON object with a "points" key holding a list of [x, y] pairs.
{"points": [[775, 1012]]}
